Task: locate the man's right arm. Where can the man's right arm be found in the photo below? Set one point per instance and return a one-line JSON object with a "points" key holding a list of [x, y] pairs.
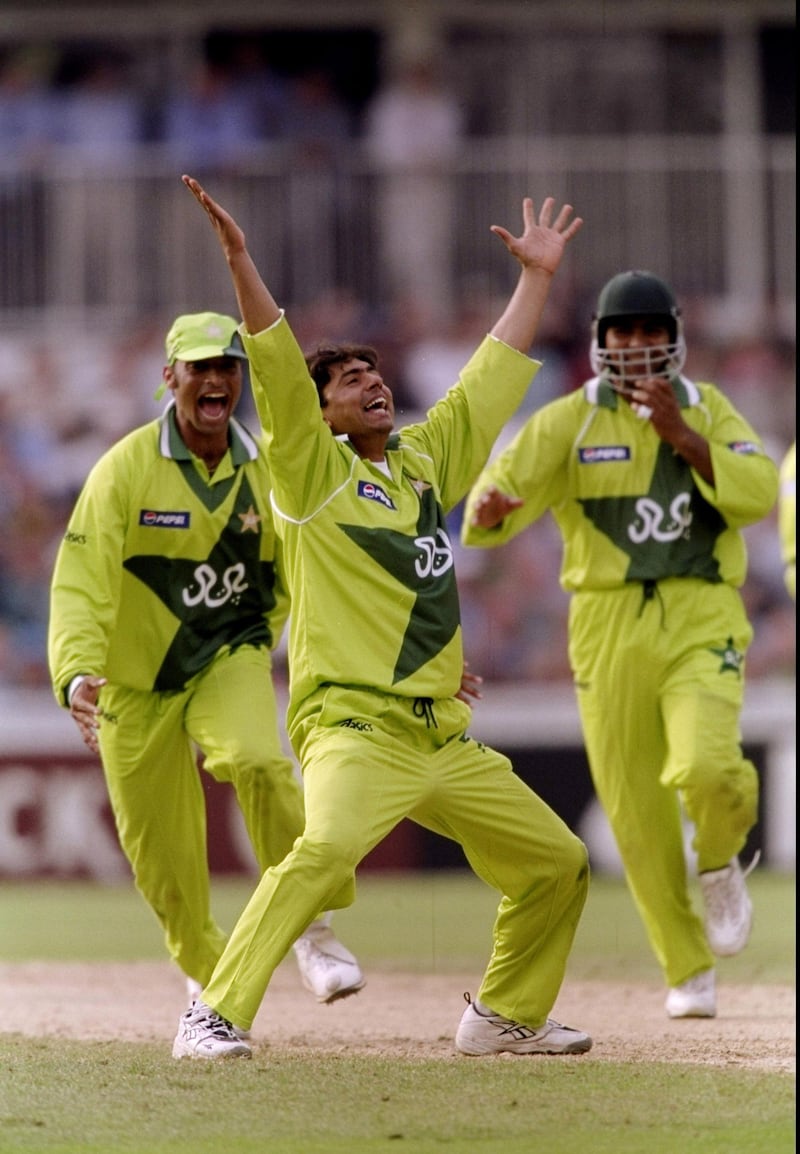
{"points": [[84, 590], [257, 306]]}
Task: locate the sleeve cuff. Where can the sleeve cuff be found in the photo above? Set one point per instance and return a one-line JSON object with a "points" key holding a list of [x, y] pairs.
{"points": [[73, 686]]}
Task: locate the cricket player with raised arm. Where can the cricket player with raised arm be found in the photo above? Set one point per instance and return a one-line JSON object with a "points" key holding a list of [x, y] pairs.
{"points": [[375, 657], [651, 477]]}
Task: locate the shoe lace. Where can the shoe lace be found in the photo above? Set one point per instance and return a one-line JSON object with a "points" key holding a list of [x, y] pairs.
{"points": [[312, 953], [202, 1015], [507, 1026], [699, 983], [723, 891]]}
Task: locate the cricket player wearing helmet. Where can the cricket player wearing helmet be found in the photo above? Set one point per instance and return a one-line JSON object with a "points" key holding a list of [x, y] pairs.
{"points": [[651, 477]]}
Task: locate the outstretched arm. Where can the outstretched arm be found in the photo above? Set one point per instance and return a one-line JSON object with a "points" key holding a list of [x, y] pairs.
{"points": [[256, 304], [492, 508], [539, 250]]}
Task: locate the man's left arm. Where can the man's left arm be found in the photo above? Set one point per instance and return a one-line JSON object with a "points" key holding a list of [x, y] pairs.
{"points": [[462, 428], [745, 478]]}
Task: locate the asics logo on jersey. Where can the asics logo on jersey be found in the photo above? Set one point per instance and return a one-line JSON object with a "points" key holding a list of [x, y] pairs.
{"points": [[652, 517], [747, 448], [359, 726], [436, 555], [154, 519], [373, 492], [214, 591], [599, 453]]}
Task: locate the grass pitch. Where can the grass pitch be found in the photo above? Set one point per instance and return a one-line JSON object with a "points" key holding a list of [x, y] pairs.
{"points": [[62, 1096]]}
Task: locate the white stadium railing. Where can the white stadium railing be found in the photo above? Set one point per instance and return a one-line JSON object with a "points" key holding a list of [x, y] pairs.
{"points": [[714, 216]]}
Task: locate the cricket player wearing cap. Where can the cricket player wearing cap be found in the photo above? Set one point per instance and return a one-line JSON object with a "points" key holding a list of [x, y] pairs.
{"points": [[650, 477], [166, 603]]}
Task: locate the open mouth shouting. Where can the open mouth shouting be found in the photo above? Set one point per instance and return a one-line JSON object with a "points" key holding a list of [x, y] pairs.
{"points": [[214, 406]]}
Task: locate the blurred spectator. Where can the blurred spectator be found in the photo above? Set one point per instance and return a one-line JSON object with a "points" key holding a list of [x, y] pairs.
{"points": [[24, 600], [264, 91], [24, 109], [30, 517], [25, 139], [97, 120], [97, 112], [412, 130], [317, 119], [318, 124], [433, 362], [756, 370], [758, 374], [211, 125]]}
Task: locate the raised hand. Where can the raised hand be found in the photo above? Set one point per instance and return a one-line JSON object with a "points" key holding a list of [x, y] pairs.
{"points": [[542, 244], [257, 306], [539, 250], [228, 231]]}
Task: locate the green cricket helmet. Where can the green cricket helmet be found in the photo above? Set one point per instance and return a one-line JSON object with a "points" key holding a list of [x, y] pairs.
{"points": [[631, 295]]}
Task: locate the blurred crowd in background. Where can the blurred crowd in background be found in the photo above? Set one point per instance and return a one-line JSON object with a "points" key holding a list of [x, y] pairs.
{"points": [[514, 612], [64, 401]]}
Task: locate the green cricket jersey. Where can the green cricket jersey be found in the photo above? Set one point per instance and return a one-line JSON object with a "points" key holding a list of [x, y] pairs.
{"points": [[629, 508], [161, 566], [367, 557]]}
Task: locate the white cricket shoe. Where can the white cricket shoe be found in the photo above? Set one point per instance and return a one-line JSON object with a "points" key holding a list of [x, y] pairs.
{"points": [[481, 1031], [695, 998], [193, 991], [203, 1033], [729, 911], [327, 968]]}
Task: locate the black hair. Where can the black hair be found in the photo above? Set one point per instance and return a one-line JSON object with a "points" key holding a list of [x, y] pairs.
{"points": [[325, 356]]}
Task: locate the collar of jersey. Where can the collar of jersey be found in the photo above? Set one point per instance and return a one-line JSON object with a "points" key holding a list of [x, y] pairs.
{"points": [[597, 391], [243, 445], [392, 443]]}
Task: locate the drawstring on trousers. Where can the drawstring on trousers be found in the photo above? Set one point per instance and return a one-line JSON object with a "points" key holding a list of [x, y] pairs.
{"points": [[650, 591], [423, 707]]}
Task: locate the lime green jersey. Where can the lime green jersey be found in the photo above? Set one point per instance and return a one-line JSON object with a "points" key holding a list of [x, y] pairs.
{"points": [[628, 507], [162, 566], [787, 518], [367, 556]]}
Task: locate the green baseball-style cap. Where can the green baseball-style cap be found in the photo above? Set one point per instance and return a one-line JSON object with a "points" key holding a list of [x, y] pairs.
{"points": [[200, 336]]}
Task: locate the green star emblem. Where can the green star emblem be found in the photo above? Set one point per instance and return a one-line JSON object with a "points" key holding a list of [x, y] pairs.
{"points": [[435, 616], [731, 658]]}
